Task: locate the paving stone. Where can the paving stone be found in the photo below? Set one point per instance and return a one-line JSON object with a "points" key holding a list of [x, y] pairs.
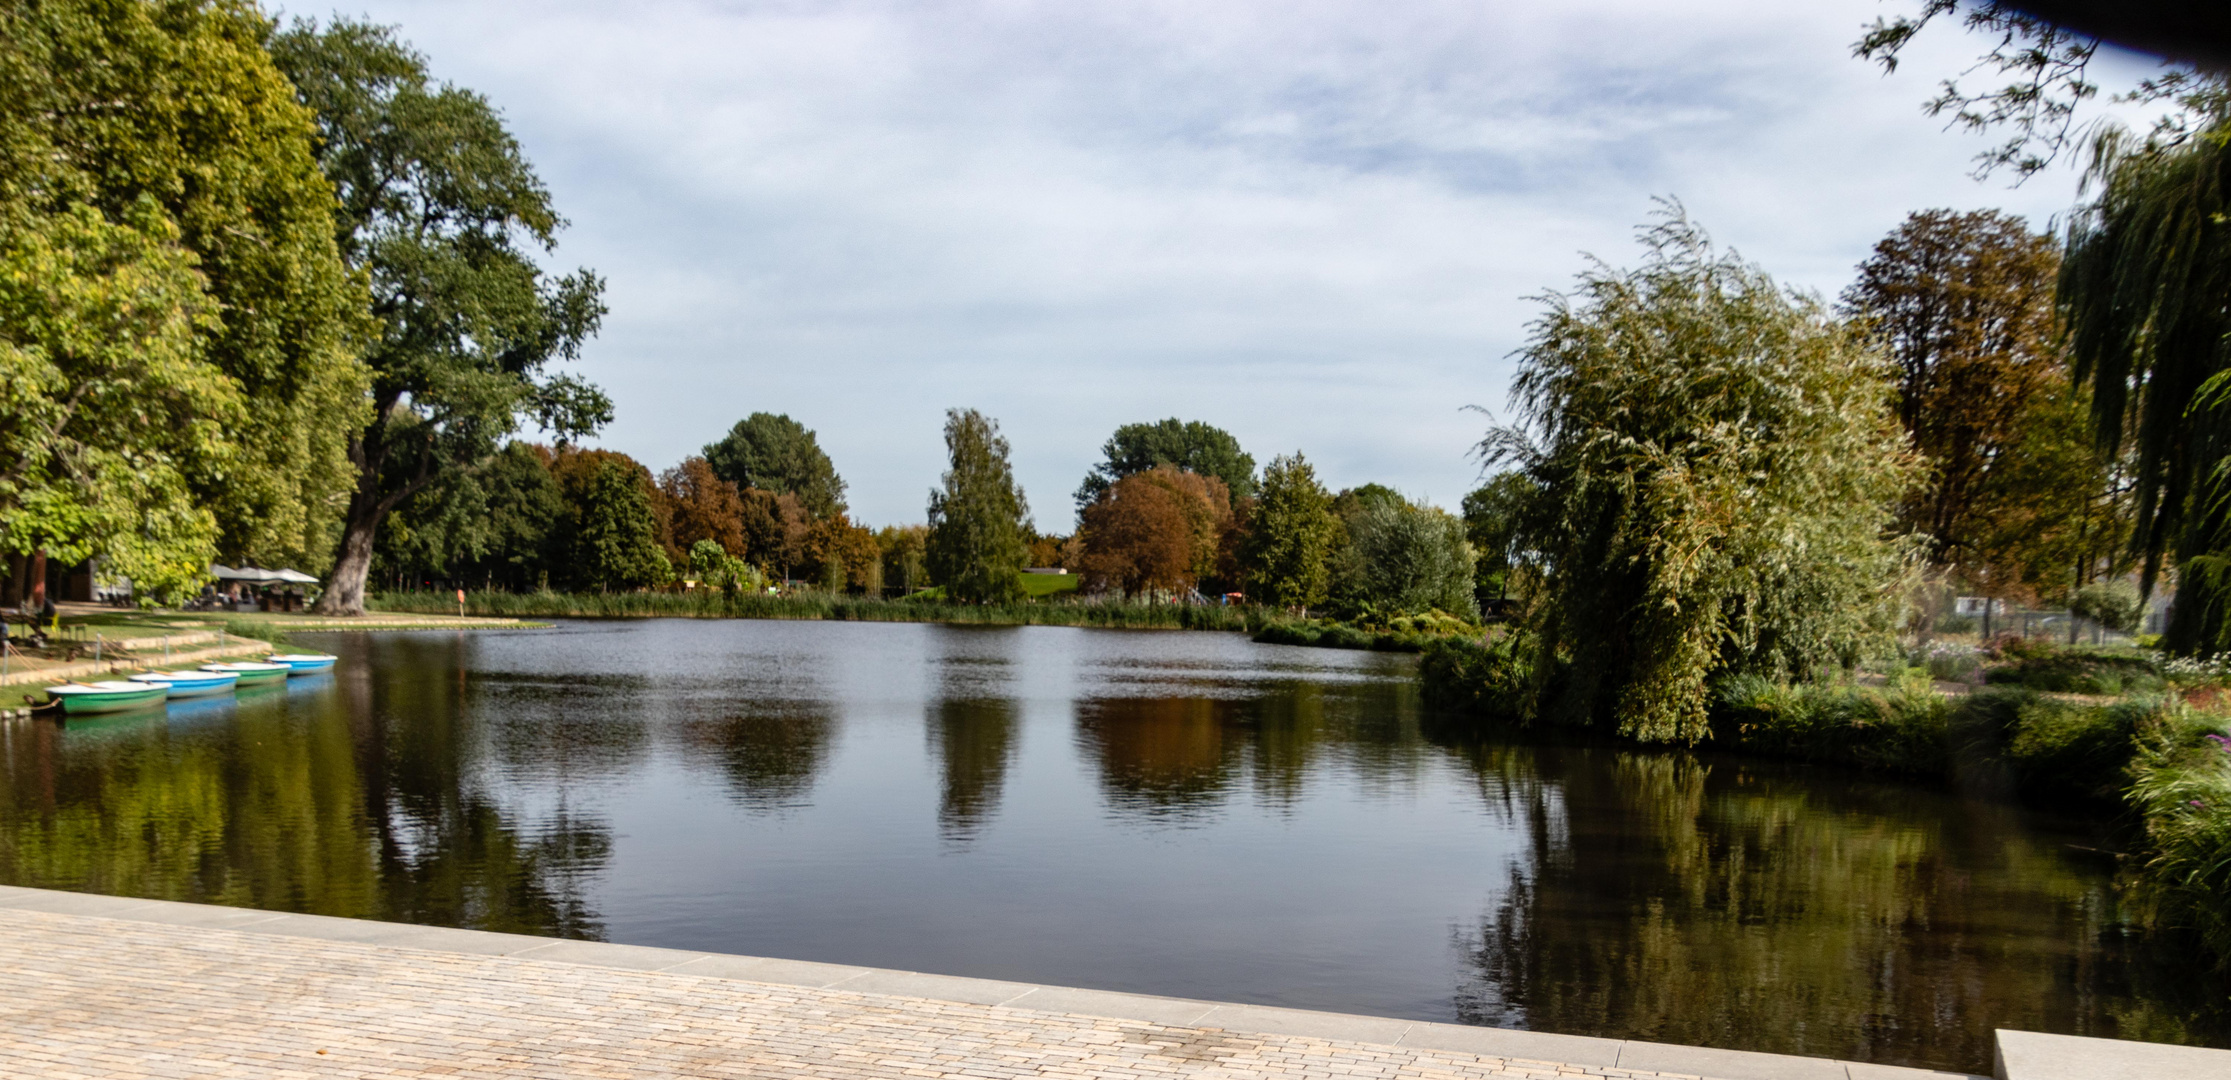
{"points": [[1507, 1042], [605, 954], [2032, 1055], [1861, 1070], [105, 997], [1727, 1064], [1160, 1010], [770, 969]]}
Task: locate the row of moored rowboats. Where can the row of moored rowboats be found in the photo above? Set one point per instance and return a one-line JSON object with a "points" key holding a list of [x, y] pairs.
{"points": [[155, 687]]}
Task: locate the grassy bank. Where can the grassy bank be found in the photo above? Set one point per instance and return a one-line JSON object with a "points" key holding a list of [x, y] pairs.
{"points": [[1056, 604], [2118, 733], [1409, 633], [714, 605]]}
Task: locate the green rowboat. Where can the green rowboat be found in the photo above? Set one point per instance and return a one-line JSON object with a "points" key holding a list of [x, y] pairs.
{"points": [[79, 699]]}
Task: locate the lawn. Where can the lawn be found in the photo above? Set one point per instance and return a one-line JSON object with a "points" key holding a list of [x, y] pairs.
{"points": [[1036, 586]]}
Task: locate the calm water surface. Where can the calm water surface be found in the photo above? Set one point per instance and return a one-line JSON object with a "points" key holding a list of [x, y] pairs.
{"points": [[1172, 813]]}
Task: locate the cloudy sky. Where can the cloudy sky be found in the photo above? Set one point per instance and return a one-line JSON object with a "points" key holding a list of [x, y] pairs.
{"points": [[1313, 223]]}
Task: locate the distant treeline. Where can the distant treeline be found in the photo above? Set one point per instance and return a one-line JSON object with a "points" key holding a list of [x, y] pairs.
{"points": [[1175, 512], [715, 604]]}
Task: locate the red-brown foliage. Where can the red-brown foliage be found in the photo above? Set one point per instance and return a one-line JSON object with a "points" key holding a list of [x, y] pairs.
{"points": [[1156, 531], [702, 506]]}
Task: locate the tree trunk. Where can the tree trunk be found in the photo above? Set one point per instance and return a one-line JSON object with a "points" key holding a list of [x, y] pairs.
{"points": [[344, 590], [368, 507]]}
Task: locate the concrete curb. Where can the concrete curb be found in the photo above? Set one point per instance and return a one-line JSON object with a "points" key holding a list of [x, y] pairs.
{"points": [[1180, 1012], [134, 662], [2034, 1055]]}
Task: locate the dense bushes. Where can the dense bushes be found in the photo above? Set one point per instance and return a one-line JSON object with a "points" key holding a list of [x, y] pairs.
{"points": [[2062, 750], [1403, 633], [1902, 728], [2182, 791], [2081, 671], [1487, 679]]}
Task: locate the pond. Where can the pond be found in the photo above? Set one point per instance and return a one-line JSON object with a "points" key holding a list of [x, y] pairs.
{"points": [[1188, 814]]}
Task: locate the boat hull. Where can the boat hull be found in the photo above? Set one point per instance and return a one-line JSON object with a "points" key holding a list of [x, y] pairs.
{"points": [[190, 685], [260, 676], [108, 701], [306, 665]]}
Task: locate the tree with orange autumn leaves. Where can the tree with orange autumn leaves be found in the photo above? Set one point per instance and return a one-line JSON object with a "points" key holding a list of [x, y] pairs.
{"points": [[1162, 531]]}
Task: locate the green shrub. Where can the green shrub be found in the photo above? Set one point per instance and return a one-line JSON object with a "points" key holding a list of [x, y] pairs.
{"points": [[2080, 671], [2116, 605], [1903, 728], [1486, 679], [1336, 635], [2182, 789], [1948, 661], [2065, 750]]}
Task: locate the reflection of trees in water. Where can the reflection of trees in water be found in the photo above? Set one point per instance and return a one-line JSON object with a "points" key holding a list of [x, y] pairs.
{"points": [[769, 752], [1735, 904], [571, 728], [448, 854], [360, 801], [974, 740], [1176, 756], [1160, 756]]}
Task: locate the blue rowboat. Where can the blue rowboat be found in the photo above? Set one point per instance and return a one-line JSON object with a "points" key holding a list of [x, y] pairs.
{"points": [[305, 663], [185, 684], [252, 673], [116, 696]]}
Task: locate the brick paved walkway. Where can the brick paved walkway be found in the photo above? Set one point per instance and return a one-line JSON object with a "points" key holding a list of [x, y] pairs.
{"points": [[97, 997]]}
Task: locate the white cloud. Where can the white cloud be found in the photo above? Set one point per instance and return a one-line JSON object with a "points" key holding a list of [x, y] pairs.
{"points": [[1311, 223]]}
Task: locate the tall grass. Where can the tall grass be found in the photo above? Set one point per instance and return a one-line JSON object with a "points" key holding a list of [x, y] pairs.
{"points": [[1904, 727], [2182, 789], [714, 605]]}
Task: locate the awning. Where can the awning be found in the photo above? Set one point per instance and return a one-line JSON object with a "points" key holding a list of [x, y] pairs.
{"points": [[259, 575]]}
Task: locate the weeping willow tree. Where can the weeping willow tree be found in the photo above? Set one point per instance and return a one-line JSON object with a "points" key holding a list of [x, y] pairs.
{"points": [[1713, 462], [2143, 294]]}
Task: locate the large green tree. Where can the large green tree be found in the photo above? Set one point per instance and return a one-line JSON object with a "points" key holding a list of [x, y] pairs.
{"points": [[496, 525], [2142, 292], [776, 454], [169, 241], [615, 541], [1189, 445], [1402, 559], [979, 522], [1713, 461], [440, 210], [1290, 534], [1491, 519]]}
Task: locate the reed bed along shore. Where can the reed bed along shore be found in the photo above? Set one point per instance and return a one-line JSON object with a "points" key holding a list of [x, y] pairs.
{"points": [[715, 605]]}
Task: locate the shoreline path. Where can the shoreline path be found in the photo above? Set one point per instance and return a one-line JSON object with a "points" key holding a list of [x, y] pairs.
{"points": [[95, 986]]}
